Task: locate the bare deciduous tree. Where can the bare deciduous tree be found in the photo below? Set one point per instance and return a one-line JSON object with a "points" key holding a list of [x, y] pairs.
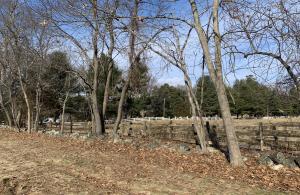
{"points": [[215, 71], [266, 31], [173, 53]]}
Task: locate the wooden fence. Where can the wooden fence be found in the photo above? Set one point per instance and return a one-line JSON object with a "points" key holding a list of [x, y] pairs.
{"points": [[283, 136], [261, 136]]}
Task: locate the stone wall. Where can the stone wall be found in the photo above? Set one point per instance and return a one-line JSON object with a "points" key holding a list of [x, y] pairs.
{"points": [[270, 136]]}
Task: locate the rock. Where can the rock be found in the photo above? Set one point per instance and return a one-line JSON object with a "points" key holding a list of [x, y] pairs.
{"points": [[290, 163], [265, 160], [152, 145], [136, 145], [75, 135], [198, 148], [212, 150], [277, 167], [279, 158], [245, 158], [90, 135], [53, 133], [297, 161], [41, 132], [9, 186], [183, 148], [84, 137], [102, 137], [116, 140], [128, 141]]}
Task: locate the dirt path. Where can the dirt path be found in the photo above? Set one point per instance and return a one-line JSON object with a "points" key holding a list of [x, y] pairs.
{"points": [[38, 164]]}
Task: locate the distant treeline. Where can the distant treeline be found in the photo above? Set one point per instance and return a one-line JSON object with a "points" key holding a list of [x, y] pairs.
{"points": [[246, 97]]}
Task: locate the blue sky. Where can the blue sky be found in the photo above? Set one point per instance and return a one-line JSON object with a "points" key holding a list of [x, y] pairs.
{"points": [[171, 74], [242, 66]]}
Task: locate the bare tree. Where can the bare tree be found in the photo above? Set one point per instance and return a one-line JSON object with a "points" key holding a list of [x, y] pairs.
{"points": [[8, 117], [133, 58], [174, 53], [215, 71], [67, 93], [109, 23], [138, 43], [97, 20], [18, 37], [269, 31]]}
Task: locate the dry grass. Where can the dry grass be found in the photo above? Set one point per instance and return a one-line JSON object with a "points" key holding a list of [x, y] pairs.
{"points": [[39, 164], [237, 122]]}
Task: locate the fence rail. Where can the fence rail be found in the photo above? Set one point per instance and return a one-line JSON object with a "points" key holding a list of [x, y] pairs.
{"points": [[260, 136], [283, 135]]}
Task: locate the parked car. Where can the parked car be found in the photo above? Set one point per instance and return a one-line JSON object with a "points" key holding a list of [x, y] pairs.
{"points": [[48, 120]]}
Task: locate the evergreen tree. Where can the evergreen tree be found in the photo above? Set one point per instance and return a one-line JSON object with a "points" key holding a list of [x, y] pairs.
{"points": [[210, 105], [169, 101], [251, 97]]}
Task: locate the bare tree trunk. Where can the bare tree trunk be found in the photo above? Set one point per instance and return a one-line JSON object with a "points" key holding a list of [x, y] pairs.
{"points": [[27, 101], [37, 108], [132, 61], [18, 118], [233, 146], [106, 90], [62, 126], [8, 118], [217, 78], [99, 124], [198, 127], [14, 110], [120, 108], [196, 112], [110, 57]]}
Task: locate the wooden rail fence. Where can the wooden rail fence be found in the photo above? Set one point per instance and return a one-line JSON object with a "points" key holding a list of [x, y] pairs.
{"points": [[261, 136]]}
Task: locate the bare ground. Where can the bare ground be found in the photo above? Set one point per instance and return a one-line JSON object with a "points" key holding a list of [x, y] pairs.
{"points": [[40, 164]]}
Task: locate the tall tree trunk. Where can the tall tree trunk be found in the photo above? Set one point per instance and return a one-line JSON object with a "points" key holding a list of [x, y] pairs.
{"points": [[99, 123], [110, 67], [217, 78], [106, 90], [8, 118], [19, 118], [27, 101], [37, 108], [198, 125], [196, 112], [62, 122], [13, 108], [120, 108], [132, 61]]}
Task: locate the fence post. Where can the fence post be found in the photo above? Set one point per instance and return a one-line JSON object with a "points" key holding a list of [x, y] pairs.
{"points": [[145, 129], [71, 124], [261, 136]]}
